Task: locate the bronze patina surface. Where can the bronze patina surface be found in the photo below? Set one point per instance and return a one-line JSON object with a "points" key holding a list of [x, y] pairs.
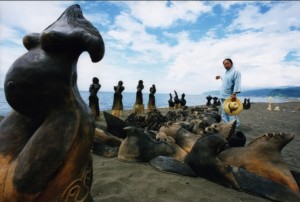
{"points": [[45, 141]]}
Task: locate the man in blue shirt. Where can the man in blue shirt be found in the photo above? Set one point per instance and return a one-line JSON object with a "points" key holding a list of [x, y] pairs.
{"points": [[231, 85]]}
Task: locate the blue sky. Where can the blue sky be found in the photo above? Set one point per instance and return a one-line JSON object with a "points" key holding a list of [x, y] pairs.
{"points": [[176, 45]]}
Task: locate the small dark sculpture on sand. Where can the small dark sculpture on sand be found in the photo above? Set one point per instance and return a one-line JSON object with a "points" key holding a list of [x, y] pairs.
{"points": [[93, 98], [215, 101], [117, 107], [171, 102], [138, 107], [246, 104], [176, 100], [151, 101], [46, 140], [182, 100], [208, 103]]}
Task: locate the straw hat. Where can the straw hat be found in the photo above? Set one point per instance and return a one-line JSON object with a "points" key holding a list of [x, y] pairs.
{"points": [[232, 108]]}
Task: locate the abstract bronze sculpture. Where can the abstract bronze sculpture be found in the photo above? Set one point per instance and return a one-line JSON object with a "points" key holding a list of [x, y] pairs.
{"points": [[138, 107], [93, 98], [182, 100], [151, 101], [117, 107], [171, 102], [209, 98], [45, 141], [177, 101]]}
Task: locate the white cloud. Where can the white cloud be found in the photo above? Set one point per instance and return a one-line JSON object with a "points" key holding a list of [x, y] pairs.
{"points": [[158, 14], [28, 17], [255, 54], [189, 66], [7, 56], [31, 16], [7, 33], [129, 33], [279, 18], [100, 19], [226, 5]]}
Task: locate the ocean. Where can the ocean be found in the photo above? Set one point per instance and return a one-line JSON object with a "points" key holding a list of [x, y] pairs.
{"points": [[106, 100]]}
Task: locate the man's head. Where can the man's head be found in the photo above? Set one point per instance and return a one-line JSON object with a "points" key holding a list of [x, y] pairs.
{"points": [[227, 63]]}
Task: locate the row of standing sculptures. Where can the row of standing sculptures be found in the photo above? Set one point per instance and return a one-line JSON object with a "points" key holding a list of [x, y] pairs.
{"points": [[138, 106], [216, 102]]}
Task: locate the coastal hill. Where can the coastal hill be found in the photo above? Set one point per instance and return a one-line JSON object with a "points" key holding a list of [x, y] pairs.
{"points": [[291, 91]]}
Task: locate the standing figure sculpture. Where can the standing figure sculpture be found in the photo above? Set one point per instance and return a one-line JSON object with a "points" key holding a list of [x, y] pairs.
{"points": [[46, 139], [215, 101], [208, 98], [151, 101], [138, 107], [117, 107], [246, 104], [182, 100], [171, 102], [176, 100], [93, 98]]}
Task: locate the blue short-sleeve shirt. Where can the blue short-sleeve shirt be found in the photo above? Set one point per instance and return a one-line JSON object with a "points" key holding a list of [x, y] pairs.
{"points": [[231, 82]]}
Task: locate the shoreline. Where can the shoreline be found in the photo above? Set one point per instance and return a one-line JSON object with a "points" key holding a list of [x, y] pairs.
{"points": [[106, 100]]}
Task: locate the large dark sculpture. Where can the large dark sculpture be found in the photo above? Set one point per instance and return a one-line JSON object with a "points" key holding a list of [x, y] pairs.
{"points": [[171, 102], [138, 107], [45, 141], [176, 100], [216, 101], [182, 100], [117, 107], [151, 101], [208, 98], [93, 98]]}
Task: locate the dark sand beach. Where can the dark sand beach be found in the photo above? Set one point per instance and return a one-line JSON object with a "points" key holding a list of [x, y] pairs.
{"points": [[114, 180]]}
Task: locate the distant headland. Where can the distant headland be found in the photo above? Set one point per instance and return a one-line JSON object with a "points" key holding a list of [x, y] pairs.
{"points": [[290, 91]]}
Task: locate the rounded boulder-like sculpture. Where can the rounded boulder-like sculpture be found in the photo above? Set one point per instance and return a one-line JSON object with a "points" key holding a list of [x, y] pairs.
{"points": [[45, 141]]}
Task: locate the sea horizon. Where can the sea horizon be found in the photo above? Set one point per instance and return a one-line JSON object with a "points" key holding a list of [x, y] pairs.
{"points": [[106, 100]]}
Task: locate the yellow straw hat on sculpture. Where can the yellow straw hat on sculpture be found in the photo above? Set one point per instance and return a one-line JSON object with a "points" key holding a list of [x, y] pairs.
{"points": [[232, 107]]}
